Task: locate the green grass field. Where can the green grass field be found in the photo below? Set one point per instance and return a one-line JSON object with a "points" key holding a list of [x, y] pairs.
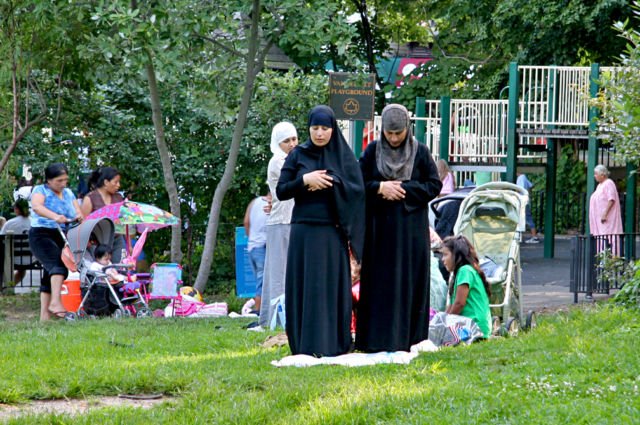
{"points": [[580, 367]]}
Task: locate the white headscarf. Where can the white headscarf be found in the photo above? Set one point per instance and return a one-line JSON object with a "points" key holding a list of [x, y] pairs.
{"points": [[281, 131]]}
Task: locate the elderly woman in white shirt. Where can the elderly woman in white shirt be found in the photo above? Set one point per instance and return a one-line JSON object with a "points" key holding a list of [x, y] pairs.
{"points": [[284, 138]]}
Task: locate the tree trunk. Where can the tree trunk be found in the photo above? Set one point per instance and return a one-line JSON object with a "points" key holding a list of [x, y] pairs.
{"points": [[169, 181], [361, 6], [19, 131], [253, 68]]}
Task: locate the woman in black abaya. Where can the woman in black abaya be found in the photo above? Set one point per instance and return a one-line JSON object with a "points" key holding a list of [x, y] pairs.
{"points": [[323, 177], [400, 179]]}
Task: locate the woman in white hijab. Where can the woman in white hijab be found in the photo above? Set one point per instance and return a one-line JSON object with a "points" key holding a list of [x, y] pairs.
{"points": [[283, 139]]}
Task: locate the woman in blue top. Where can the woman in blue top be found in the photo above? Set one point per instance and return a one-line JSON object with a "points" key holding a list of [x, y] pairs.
{"points": [[52, 204], [469, 290]]}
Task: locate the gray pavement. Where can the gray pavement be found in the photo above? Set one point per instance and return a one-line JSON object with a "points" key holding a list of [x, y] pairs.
{"points": [[545, 281]]}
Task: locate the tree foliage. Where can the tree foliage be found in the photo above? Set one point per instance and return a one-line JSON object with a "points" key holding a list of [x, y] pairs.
{"points": [[90, 63], [37, 55], [620, 99], [473, 42]]}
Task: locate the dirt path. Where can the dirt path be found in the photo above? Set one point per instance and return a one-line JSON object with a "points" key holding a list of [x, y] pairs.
{"points": [[76, 407]]}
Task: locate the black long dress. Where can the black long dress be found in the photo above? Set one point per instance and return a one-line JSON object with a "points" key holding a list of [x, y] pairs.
{"points": [[393, 310], [318, 280]]}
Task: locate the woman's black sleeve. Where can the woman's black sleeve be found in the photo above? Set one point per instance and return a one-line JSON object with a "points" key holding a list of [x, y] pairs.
{"points": [[289, 183]]}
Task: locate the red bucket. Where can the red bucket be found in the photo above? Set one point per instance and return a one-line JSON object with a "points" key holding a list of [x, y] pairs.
{"points": [[71, 295]]}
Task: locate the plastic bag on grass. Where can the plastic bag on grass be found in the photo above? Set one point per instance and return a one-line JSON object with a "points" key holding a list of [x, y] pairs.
{"points": [[452, 329]]}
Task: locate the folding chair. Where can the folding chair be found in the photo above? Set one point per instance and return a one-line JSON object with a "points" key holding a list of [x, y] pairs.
{"points": [[166, 279]]}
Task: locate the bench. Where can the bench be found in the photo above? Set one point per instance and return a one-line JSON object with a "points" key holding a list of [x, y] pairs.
{"points": [[17, 256]]}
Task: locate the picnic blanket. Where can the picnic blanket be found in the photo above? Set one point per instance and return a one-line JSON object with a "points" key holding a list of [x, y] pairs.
{"points": [[358, 359], [193, 308]]}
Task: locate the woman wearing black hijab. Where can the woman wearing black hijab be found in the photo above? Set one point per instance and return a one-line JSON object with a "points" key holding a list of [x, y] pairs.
{"points": [[400, 179], [323, 177]]}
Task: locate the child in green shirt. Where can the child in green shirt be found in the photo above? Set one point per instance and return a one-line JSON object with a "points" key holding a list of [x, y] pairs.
{"points": [[469, 290]]}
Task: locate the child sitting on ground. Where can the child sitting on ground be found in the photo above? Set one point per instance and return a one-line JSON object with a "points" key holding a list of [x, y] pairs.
{"points": [[469, 290], [102, 255]]}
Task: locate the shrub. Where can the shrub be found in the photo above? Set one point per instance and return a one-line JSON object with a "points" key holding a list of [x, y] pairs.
{"points": [[625, 273]]}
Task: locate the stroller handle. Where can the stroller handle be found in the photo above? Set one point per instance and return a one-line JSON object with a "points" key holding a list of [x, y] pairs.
{"points": [[118, 266], [68, 225], [501, 186]]}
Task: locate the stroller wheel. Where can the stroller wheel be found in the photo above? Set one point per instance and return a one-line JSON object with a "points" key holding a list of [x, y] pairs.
{"points": [[495, 326], [118, 313], [144, 312], [70, 317], [512, 327], [531, 321], [82, 314]]}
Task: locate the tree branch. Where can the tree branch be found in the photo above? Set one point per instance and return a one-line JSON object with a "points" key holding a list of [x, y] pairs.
{"points": [[59, 93], [278, 21], [361, 7], [221, 45], [41, 100], [27, 97], [462, 58]]}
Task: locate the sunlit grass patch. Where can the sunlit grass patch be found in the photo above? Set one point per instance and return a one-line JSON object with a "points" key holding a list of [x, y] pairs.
{"points": [[575, 367]]}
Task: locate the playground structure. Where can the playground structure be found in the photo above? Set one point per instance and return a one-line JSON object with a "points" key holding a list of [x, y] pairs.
{"points": [[544, 104]]}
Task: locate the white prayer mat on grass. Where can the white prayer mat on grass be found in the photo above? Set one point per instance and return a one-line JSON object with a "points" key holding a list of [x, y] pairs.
{"points": [[358, 359]]}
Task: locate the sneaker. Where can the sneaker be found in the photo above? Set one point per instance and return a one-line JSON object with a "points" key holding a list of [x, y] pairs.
{"points": [[532, 240], [255, 328]]}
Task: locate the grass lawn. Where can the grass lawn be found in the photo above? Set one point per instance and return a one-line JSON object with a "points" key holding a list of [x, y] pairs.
{"points": [[577, 367]]}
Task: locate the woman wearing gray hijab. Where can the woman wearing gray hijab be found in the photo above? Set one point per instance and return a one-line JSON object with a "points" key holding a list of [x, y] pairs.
{"points": [[400, 179]]}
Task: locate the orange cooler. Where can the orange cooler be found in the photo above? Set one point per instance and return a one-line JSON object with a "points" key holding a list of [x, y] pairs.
{"points": [[71, 295]]}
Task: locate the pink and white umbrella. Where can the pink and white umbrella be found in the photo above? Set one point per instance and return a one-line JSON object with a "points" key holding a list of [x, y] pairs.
{"points": [[144, 217]]}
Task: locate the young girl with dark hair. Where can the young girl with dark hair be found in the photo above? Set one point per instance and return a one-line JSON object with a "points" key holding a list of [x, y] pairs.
{"points": [[469, 290]]}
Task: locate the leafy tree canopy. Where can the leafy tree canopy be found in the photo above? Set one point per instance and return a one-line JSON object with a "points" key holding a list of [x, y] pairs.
{"points": [[621, 96]]}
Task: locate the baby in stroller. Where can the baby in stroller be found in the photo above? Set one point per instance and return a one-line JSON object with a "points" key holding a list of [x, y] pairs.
{"points": [[102, 263]]}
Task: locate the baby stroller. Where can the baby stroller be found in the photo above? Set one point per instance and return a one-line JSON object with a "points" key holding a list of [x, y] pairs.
{"points": [[492, 217], [99, 296], [443, 212]]}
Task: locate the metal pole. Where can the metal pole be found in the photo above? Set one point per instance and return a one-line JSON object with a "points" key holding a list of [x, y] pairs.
{"points": [[630, 211], [358, 128], [550, 204], [445, 126], [512, 143], [592, 157], [550, 189], [421, 111]]}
